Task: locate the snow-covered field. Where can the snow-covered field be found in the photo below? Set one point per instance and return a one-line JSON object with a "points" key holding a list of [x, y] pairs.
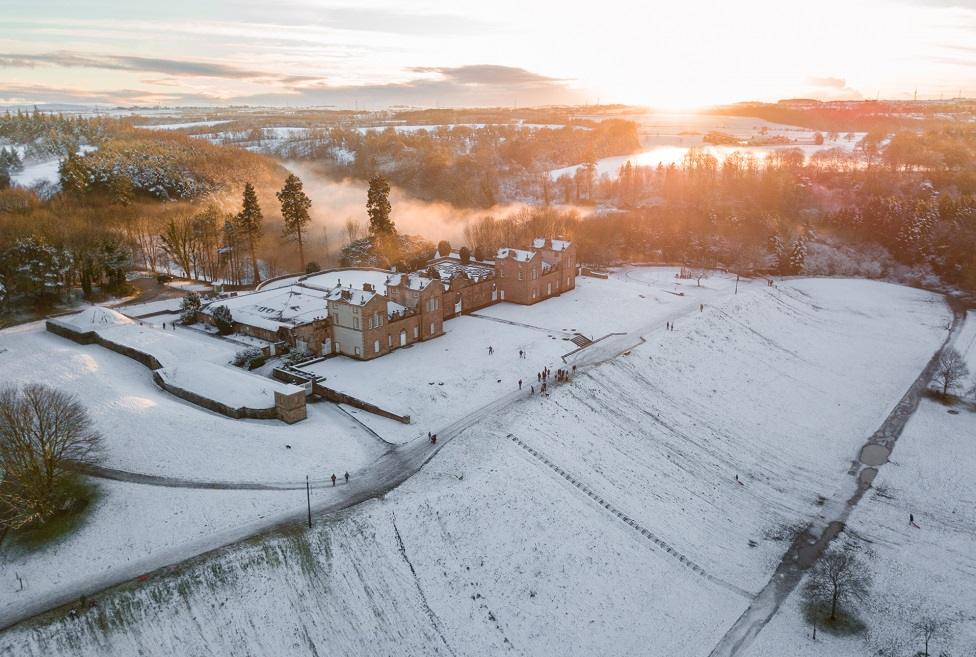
{"points": [[489, 550], [929, 570]]}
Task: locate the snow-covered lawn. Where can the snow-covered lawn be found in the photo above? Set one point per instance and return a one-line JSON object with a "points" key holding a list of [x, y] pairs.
{"points": [[924, 570], [778, 386], [438, 381], [226, 384], [149, 431]]}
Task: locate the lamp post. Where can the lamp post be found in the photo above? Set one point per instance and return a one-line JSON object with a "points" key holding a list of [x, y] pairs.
{"points": [[308, 500]]}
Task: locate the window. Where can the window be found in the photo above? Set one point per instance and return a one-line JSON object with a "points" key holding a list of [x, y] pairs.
{"points": [[416, 332], [520, 275], [376, 346], [432, 304], [357, 351], [355, 323], [389, 340], [432, 331]]}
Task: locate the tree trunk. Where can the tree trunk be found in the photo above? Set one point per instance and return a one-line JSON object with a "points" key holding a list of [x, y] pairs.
{"points": [[301, 250], [254, 264], [833, 605]]}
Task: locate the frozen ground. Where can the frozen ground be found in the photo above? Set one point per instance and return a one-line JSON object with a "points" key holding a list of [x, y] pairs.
{"points": [[489, 550]]}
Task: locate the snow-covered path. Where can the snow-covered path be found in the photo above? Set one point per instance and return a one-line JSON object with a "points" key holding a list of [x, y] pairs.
{"points": [[810, 545]]}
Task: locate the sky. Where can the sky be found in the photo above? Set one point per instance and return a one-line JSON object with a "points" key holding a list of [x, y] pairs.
{"points": [[372, 55]]}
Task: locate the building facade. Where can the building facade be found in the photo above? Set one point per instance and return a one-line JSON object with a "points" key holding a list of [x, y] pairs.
{"points": [[364, 322]]}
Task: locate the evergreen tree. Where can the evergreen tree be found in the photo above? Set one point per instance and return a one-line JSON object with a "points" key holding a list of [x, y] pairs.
{"points": [[798, 255], [294, 211], [248, 225], [443, 248], [378, 208], [189, 308], [223, 320]]}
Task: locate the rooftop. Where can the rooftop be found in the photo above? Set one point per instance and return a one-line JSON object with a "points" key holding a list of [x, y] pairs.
{"points": [[518, 254], [276, 307], [555, 245]]}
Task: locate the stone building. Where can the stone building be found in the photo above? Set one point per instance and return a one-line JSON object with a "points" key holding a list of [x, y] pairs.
{"points": [[367, 313]]}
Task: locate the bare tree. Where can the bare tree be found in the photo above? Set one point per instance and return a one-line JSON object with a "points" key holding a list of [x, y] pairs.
{"points": [[950, 371], [838, 577], [928, 627], [43, 431]]}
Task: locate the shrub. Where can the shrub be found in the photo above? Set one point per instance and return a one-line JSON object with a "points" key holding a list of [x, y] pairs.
{"points": [[223, 320], [312, 267], [465, 254], [246, 357]]}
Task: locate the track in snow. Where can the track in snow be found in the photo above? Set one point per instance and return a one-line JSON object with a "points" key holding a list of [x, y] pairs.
{"points": [[624, 518]]}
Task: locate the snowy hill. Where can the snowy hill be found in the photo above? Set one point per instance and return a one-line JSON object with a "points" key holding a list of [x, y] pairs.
{"points": [[603, 519]]}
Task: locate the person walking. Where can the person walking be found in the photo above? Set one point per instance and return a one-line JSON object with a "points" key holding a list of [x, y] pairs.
{"points": [[911, 518], [491, 350], [433, 439], [531, 390], [520, 384], [347, 477], [538, 376], [701, 307], [333, 480]]}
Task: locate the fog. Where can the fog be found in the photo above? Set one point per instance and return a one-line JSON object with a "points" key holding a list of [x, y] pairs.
{"points": [[333, 202]]}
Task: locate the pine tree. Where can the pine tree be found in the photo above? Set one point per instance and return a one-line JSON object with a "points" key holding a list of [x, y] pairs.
{"points": [[378, 208], [189, 308], [248, 225], [294, 211]]}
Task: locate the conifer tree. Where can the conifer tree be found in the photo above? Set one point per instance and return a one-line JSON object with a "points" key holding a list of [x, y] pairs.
{"points": [[248, 225], [378, 208], [294, 211]]}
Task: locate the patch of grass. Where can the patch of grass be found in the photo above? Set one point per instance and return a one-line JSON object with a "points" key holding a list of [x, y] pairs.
{"points": [[847, 623], [83, 494]]}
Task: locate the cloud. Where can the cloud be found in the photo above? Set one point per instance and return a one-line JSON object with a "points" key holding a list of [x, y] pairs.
{"points": [[461, 86], [175, 67], [489, 74], [480, 84]]}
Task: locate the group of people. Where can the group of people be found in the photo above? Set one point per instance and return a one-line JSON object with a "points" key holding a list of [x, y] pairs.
{"points": [[334, 479]]}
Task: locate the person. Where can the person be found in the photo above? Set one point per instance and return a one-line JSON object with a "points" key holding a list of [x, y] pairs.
{"points": [[347, 477], [428, 435], [333, 480], [491, 350], [520, 384], [911, 518], [701, 307], [433, 439], [574, 369], [538, 376], [531, 390]]}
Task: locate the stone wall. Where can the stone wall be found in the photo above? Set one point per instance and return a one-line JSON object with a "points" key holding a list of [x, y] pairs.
{"points": [[288, 411]]}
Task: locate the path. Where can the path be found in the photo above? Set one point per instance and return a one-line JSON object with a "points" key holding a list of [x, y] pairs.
{"points": [[810, 545], [390, 470], [682, 559]]}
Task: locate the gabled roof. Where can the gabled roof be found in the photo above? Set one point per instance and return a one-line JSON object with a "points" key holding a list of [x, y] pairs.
{"points": [[413, 281], [517, 254], [554, 245], [351, 295]]}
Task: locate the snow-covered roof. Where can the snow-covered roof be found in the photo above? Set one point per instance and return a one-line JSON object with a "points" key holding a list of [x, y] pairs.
{"points": [[413, 281], [518, 254], [97, 317], [270, 309], [555, 245], [351, 295], [393, 308], [450, 266]]}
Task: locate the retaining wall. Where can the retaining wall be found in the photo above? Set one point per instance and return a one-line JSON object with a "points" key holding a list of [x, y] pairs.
{"points": [[335, 396]]}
